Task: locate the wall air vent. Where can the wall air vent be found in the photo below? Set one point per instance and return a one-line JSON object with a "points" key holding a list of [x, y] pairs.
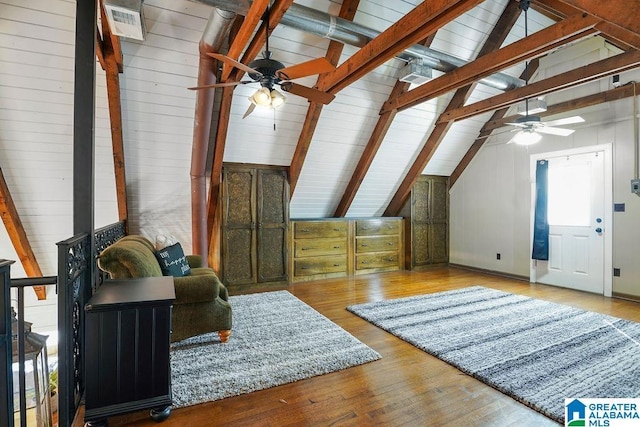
{"points": [[415, 72], [126, 18]]}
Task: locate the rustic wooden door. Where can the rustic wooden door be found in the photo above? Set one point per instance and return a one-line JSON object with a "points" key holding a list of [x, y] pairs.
{"points": [[239, 226], [255, 218], [272, 217]]}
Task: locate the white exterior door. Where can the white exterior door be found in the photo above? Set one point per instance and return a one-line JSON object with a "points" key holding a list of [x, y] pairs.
{"points": [[576, 223]]}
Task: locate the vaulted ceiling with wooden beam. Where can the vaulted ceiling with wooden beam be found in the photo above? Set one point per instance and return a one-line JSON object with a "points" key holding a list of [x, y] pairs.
{"points": [[360, 154], [356, 153]]}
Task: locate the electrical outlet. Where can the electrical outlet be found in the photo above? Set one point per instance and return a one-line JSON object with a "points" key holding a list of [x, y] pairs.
{"points": [[498, 256], [616, 272]]}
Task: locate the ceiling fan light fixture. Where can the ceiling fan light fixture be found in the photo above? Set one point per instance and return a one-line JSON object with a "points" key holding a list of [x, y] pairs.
{"points": [[261, 97], [527, 137], [277, 99]]}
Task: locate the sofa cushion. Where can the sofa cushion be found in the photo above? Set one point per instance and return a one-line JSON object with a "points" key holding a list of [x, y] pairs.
{"points": [[129, 258], [172, 261], [140, 239]]}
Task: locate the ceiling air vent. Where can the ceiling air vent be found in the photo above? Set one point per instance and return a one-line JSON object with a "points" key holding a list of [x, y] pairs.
{"points": [[415, 72], [126, 18]]}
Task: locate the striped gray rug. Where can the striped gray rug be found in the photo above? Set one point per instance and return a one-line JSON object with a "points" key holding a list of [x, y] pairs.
{"points": [[532, 350], [276, 339]]}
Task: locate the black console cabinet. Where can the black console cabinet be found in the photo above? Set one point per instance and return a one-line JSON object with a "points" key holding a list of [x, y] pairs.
{"points": [[128, 329]]}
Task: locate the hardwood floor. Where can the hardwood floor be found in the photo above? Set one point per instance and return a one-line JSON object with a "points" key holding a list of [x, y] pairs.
{"points": [[406, 387]]}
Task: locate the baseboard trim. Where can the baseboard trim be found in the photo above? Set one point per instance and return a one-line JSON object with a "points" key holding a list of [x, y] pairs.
{"points": [[628, 297], [491, 272]]}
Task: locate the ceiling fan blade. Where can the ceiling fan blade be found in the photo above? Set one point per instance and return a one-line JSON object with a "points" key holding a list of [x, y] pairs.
{"points": [[234, 63], [520, 125], [308, 68], [215, 85], [252, 107], [307, 92], [555, 131], [565, 121]]}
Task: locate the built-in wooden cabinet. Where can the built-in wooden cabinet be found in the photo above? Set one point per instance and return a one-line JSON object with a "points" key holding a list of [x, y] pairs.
{"points": [[320, 249], [255, 213], [378, 245], [426, 216], [325, 248]]}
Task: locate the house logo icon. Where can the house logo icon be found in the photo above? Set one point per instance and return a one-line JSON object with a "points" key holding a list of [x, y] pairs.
{"points": [[575, 415]]}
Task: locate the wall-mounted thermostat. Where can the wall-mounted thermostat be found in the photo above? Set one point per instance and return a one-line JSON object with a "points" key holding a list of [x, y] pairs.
{"points": [[635, 186]]}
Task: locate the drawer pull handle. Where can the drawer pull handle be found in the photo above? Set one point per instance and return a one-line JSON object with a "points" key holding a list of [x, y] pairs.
{"points": [[336, 229], [337, 265], [364, 245], [305, 268], [336, 247], [305, 230], [389, 243], [303, 249]]}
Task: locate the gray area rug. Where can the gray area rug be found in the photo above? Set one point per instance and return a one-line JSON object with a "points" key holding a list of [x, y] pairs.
{"points": [[276, 339], [534, 351]]}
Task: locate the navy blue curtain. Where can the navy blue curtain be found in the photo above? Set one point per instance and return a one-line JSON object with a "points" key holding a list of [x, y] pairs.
{"points": [[540, 224]]}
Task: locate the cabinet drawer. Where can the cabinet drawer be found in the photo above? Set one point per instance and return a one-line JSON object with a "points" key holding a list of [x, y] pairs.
{"points": [[320, 265], [308, 229], [374, 227], [314, 247], [380, 260], [377, 244]]}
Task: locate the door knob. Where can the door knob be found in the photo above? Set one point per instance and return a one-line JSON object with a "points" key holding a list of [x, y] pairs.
{"points": [[598, 230]]}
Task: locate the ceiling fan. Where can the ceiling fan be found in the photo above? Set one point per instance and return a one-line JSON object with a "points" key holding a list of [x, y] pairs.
{"points": [[269, 72], [529, 127]]}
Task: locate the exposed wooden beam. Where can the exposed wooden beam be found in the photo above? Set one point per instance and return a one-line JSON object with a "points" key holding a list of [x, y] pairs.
{"points": [[423, 20], [570, 105], [599, 69], [347, 11], [497, 36], [216, 176], [276, 13], [572, 28], [621, 13], [243, 35], [18, 236], [559, 9], [113, 62], [484, 132]]}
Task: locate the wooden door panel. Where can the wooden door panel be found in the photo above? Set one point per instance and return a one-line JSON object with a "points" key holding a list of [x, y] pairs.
{"points": [[421, 254], [272, 261], [239, 206], [420, 200], [239, 261], [439, 250]]}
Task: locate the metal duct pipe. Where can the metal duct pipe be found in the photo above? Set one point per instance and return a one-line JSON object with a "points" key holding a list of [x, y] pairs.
{"points": [[217, 28], [335, 28]]}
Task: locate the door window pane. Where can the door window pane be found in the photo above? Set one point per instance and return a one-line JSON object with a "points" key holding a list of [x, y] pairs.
{"points": [[569, 200]]}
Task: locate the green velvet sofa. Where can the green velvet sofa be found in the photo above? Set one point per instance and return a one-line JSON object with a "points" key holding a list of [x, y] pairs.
{"points": [[201, 303]]}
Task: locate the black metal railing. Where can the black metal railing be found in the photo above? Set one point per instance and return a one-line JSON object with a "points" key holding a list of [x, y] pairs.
{"points": [[6, 342], [76, 284]]}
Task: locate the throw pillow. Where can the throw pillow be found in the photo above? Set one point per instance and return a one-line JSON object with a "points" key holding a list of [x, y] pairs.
{"points": [[172, 261]]}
